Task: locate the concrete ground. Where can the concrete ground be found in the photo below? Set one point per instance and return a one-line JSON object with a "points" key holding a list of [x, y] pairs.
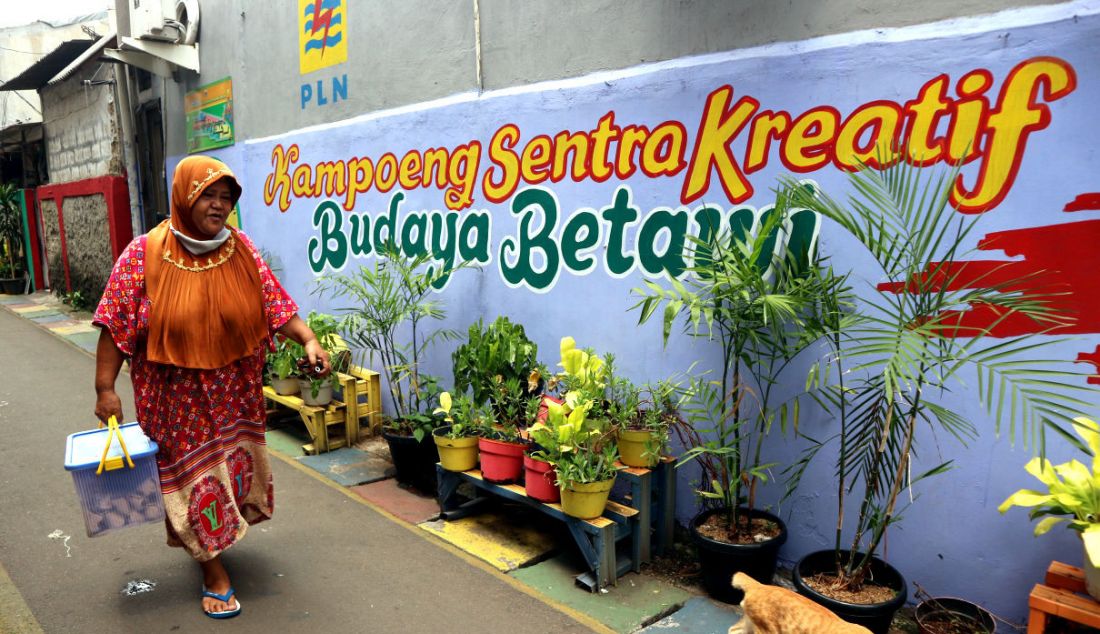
{"points": [[348, 550]]}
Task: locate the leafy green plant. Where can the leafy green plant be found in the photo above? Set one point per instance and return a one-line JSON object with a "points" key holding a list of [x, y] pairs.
{"points": [[583, 371], [581, 449], [908, 341], [495, 364], [750, 292], [326, 328], [1073, 493], [460, 412], [388, 300], [11, 230], [281, 363]]}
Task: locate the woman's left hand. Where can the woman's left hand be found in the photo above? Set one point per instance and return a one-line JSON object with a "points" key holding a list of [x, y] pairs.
{"points": [[317, 355]]}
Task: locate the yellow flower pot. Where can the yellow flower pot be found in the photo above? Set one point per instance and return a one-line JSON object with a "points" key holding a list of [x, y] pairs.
{"points": [[632, 448], [456, 454], [585, 500]]}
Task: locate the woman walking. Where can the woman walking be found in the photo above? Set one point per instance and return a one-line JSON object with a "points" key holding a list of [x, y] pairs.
{"points": [[193, 307]]}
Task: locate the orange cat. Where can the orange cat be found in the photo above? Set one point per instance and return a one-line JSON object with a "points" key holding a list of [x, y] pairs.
{"points": [[775, 610]]}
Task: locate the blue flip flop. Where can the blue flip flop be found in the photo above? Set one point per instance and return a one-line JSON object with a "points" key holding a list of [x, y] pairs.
{"points": [[224, 598]]}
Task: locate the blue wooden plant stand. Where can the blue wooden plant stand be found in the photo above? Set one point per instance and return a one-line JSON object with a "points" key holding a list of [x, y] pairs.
{"points": [[620, 541]]}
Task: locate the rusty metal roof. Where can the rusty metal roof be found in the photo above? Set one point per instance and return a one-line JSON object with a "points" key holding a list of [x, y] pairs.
{"points": [[42, 71]]}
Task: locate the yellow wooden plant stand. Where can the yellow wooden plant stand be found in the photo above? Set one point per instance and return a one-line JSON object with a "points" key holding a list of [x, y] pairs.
{"points": [[351, 418]]}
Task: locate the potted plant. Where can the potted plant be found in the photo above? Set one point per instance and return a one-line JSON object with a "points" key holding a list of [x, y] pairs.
{"points": [[583, 457], [1072, 496], [498, 364], [644, 434], [501, 444], [389, 300], [315, 390], [539, 479], [281, 367], [457, 440], [11, 241], [750, 293], [899, 349], [948, 615]]}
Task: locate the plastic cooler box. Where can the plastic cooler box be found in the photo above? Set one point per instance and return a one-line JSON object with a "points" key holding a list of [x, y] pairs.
{"points": [[121, 496]]}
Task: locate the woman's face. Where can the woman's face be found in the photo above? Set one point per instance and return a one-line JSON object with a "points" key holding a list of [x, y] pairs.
{"points": [[211, 208]]}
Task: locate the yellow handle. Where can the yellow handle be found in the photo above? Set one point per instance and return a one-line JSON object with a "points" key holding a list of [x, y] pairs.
{"points": [[116, 462]]}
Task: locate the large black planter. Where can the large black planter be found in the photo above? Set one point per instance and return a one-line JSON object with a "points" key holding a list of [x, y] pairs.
{"points": [[414, 461], [12, 286], [876, 616], [720, 560]]}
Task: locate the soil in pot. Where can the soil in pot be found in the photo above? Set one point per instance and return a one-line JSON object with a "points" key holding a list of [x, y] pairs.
{"points": [[720, 558], [854, 608], [953, 616]]}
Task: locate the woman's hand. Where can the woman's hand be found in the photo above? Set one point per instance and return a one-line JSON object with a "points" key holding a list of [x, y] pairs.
{"points": [[108, 404], [317, 355]]}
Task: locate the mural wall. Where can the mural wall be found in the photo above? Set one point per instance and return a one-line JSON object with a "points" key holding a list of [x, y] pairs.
{"points": [[566, 195]]}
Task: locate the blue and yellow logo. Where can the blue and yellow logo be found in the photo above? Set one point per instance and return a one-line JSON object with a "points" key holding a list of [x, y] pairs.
{"points": [[321, 41]]}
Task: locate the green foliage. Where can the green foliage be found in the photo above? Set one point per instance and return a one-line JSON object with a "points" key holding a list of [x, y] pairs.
{"points": [[464, 417], [326, 328], [387, 303], [74, 299], [895, 352], [581, 449], [281, 363], [11, 230], [494, 356], [1073, 493], [749, 292]]}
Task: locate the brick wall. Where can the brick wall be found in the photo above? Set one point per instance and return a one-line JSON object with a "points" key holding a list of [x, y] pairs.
{"points": [[82, 138]]}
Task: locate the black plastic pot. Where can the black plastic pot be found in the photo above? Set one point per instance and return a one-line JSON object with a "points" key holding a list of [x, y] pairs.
{"points": [[962, 612], [720, 560], [876, 616], [414, 461], [12, 286]]}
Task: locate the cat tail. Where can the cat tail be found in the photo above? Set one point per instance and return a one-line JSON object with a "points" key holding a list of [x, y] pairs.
{"points": [[742, 581]]}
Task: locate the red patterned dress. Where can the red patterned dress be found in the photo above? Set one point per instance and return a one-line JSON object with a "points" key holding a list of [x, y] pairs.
{"points": [[208, 424]]}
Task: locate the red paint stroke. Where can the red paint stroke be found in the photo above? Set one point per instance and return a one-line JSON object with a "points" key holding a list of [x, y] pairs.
{"points": [[1063, 260], [1084, 202]]}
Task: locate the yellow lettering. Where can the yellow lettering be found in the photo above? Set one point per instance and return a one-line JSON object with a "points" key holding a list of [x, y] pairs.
{"points": [[633, 136], [303, 181], [536, 157], [385, 176], [805, 147], [719, 125], [765, 127], [564, 143], [502, 154], [409, 175], [361, 171], [970, 114], [278, 181], [462, 176], [331, 179], [604, 133], [663, 153], [882, 119], [924, 116]]}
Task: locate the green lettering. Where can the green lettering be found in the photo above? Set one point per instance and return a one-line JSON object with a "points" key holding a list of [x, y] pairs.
{"points": [[476, 224], [444, 243], [580, 234], [388, 223], [671, 259], [802, 240], [360, 234], [414, 246], [709, 220], [211, 513], [528, 202], [619, 215], [331, 248]]}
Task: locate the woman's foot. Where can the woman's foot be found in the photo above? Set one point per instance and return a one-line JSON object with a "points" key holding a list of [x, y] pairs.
{"points": [[215, 579]]}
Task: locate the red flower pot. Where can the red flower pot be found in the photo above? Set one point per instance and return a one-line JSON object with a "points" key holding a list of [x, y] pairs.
{"points": [[501, 462], [541, 480]]}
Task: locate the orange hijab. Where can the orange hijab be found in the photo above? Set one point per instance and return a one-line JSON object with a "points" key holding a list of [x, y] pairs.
{"points": [[205, 311]]}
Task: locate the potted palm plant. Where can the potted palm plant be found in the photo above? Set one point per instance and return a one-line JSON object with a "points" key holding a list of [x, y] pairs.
{"points": [[1073, 496], [389, 301], [899, 348], [749, 292]]}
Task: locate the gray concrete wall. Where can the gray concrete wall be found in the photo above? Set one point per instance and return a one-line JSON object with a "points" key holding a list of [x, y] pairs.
{"points": [[82, 138], [402, 53], [88, 243]]}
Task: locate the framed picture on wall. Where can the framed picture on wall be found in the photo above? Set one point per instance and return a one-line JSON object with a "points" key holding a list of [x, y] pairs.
{"points": [[209, 114]]}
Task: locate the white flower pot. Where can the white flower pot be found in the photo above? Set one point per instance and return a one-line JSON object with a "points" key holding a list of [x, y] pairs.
{"points": [[1092, 577], [324, 395], [285, 387]]}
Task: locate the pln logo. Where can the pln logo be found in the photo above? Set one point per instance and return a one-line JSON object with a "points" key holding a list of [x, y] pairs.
{"points": [[321, 41]]}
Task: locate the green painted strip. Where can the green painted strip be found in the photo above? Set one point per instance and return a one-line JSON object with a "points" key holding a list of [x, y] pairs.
{"points": [[27, 237]]}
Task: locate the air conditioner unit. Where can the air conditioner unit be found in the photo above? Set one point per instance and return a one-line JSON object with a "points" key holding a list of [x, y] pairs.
{"points": [[150, 20]]}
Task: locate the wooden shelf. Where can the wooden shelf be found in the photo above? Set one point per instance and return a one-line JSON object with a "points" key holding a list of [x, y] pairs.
{"points": [[1059, 597], [364, 403]]}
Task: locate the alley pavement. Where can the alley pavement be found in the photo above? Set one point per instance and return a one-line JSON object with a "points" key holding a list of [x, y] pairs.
{"points": [[325, 563]]}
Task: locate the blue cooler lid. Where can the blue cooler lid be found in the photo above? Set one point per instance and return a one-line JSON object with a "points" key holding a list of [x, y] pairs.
{"points": [[84, 449]]}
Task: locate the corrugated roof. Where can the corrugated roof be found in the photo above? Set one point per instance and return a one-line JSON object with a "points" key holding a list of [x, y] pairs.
{"points": [[92, 51], [42, 71]]}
